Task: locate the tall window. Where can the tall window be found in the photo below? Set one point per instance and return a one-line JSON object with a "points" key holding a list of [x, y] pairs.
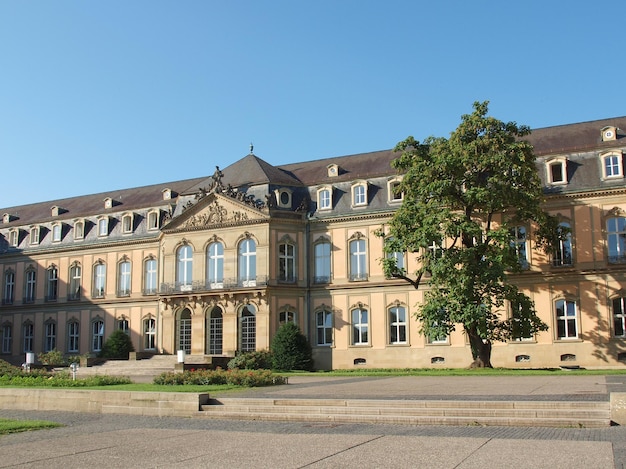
{"points": [[75, 278], [518, 244], [216, 331], [520, 325], [153, 220], [52, 283], [566, 319], [9, 288], [184, 267], [395, 194], [247, 263], [563, 251], [358, 259], [79, 230], [616, 233], [30, 286], [397, 325], [324, 325], [127, 224], [149, 334], [247, 329], [14, 238], [397, 256], [99, 280], [103, 227], [123, 325], [28, 334], [34, 235], [50, 336], [150, 277], [360, 326], [557, 172], [73, 336], [619, 317], [7, 338], [56, 232], [123, 279], [184, 331], [286, 262], [97, 335], [322, 262], [215, 265]]}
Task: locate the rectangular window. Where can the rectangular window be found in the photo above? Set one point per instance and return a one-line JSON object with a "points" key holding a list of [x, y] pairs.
{"points": [[322, 262], [97, 335], [324, 323], [286, 263], [28, 333], [103, 227], [52, 288], [123, 287], [99, 280], [34, 235], [7, 338], [30, 287], [616, 237], [556, 172], [324, 199], [619, 317], [360, 326], [359, 195], [612, 166], [358, 260], [149, 334], [566, 319], [518, 244], [397, 325], [150, 277], [153, 221], [50, 339], [79, 230], [73, 330], [9, 288], [127, 224], [56, 233]]}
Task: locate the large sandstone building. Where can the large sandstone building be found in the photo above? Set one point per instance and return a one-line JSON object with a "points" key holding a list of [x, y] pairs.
{"points": [[213, 266]]}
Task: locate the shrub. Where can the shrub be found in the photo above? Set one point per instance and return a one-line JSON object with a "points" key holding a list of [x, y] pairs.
{"points": [[53, 357], [258, 360], [291, 349], [236, 377], [118, 345]]}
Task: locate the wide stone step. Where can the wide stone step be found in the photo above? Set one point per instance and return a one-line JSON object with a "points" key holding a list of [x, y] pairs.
{"points": [[414, 412]]}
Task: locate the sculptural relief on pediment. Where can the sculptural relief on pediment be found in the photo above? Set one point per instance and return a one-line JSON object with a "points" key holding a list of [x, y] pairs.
{"points": [[216, 213]]}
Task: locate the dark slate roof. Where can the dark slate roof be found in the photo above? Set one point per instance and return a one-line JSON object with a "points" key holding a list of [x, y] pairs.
{"points": [[583, 136], [89, 205]]}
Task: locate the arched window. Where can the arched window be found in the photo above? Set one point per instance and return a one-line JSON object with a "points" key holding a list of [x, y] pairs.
{"points": [[215, 328], [247, 263], [183, 337], [360, 326], [184, 268], [247, 329], [215, 265]]}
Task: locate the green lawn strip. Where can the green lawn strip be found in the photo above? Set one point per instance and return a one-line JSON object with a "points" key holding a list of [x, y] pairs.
{"points": [[14, 426]]}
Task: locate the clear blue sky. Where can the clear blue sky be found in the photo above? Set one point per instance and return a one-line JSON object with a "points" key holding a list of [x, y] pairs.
{"points": [[97, 96]]}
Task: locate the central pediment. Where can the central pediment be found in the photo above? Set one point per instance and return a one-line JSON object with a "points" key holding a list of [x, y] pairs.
{"points": [[214, 210]]}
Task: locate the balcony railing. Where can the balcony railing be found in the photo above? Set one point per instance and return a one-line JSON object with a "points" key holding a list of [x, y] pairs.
{"points": [[360, 277], [200, 286]]}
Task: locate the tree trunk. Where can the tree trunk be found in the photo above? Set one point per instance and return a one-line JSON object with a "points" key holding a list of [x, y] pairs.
{"points": [[481, 350]]}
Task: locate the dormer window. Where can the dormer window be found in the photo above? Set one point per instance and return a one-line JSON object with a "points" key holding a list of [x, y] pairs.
{"points": [[393, 190], [612, 166], [359, 194], [167, 194], [8, 218], [325, 198], [609, 133], [283, 197], [103, 226], [14, 237], [333, 170], [34, 235], [557, 171], [56, 211], [153, 220], [127, 223], [108, 202], [57, 232], [79, 229]]}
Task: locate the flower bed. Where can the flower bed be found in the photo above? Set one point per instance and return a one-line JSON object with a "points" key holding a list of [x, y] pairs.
{"points": [[248, 378]]}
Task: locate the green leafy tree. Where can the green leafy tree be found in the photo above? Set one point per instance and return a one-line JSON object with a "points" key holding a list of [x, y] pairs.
{"points": [[462, 197], [291, 349], [118, 345]]}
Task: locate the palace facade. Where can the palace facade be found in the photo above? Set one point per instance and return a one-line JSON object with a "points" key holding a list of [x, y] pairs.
{"points": [[214, 265]]}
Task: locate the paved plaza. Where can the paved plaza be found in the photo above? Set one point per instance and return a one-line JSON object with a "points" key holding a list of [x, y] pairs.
{"points": [[123, 441]]}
